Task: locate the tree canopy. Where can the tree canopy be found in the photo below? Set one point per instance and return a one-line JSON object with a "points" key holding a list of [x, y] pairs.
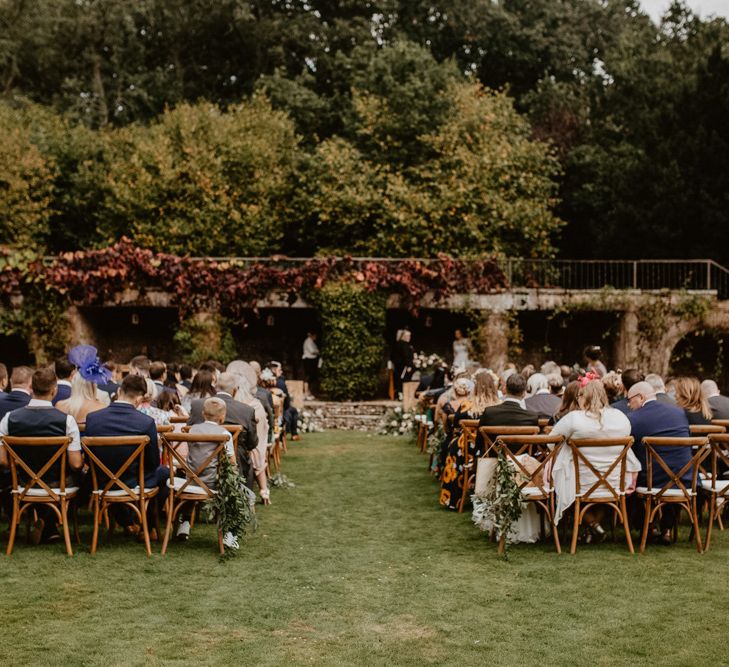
{"points": [[381, 127]]}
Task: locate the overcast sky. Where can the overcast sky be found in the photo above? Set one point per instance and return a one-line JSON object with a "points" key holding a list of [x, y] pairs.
{"points": [[702, 7]]}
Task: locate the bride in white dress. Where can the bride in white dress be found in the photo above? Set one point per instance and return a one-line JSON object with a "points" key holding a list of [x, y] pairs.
{"points": [[461, 350]]}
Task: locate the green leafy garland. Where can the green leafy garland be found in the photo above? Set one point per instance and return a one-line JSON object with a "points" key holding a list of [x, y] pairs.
{"points": [[504, 504], [230, 504]]}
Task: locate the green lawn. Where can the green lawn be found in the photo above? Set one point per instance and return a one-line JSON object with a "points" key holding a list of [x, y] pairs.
{"points": [[359, 565]]}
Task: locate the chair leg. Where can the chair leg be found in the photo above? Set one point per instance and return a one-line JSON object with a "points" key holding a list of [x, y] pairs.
{"points": [[712, 505], [500, 550], [13, 524], [66, 533], [555, 532], [575, 527], [646, 525], [221, 546], [145, 528], [97, 521], [168, 527], [626, 523], [695, 523]]}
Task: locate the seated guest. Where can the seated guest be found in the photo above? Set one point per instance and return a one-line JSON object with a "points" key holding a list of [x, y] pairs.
{"points": [[160, 417], [186, 376], [436, 380], [203, 386], [512, 411], [290, 413], [719, 404], [65, 371], [139, 365], [265, 397], [688, 397], [111, 386], [3, 379], [570, 400], [37, 419], [541, 399], [594, 419], [20, 388], [84, 397], [235, 413], [613, 386], [482, 398], [656, 381], [628, 378], [158, 373], [651, 418], [259, 455], [122, 418], [594, 364], [213, 411], [170, 405]]}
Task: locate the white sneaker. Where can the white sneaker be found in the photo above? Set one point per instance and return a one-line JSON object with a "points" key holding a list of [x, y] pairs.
{"points": [[183, 531], [230, 541]]}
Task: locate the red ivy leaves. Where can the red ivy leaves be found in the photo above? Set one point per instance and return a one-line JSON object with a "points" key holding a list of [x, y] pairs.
{"points": [[96, 276]]}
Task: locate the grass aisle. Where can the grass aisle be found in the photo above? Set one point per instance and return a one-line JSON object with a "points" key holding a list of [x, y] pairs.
{"points": [[358, 565]]}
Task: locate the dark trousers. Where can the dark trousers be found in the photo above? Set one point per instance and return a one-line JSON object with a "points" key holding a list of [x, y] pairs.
{"points": [[291, 419], [159, 478], [636, 510], [311, 374]]}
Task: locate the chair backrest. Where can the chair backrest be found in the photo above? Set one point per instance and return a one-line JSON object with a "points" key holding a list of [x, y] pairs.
{"points": [[33, 458], [111, 475], [542, 448], [602, 487], [235, 431], [491, 433], [706, 429], [178, 419], [721, 422], [655, 460], [719, 453], [164, 428], [172, 441]]}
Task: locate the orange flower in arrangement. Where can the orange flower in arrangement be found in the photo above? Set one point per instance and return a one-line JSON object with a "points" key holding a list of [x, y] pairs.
{"points": [[449, 472], [445, 497]]}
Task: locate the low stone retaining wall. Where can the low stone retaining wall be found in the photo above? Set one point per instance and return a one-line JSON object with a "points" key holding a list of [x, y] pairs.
{"points": [[354, 416]]}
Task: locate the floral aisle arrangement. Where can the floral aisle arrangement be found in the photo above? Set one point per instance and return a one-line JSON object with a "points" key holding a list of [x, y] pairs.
{"points": [[401, 422], [427, 362], [230, 506]]}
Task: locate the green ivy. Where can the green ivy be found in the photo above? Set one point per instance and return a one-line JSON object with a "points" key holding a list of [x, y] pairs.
{"points": [[205, 337], [353, 327]]}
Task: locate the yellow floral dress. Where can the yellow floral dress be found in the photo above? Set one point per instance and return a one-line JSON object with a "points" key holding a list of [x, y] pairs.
{"points": [[452, 475]]}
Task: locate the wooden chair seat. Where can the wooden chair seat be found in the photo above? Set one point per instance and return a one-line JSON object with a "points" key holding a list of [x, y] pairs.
{"points": [[191, 489], [673, 491], [35, 490], [602, 491], [115, 490], [532, 485]]}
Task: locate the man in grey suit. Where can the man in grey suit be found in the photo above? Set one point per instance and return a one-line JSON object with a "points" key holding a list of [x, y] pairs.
{"points": [[719, 404], [235, 413]]}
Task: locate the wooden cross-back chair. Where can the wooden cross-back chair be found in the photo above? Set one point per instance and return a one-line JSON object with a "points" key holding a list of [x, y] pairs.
{"points": [[674, 491], [34, 491], [706, 429], [468, 428], [191, 489], [491, 433], [114, 490], [533, 486], [602, 491], [424, 424], [717, 488], [164, 428], [721, 422], [178, 419]]}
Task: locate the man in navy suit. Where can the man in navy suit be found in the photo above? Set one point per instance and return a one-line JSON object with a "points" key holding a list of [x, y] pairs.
{"points": [[65, 371], [651, 418], [3, 379], [19, 396], [123, 418]]}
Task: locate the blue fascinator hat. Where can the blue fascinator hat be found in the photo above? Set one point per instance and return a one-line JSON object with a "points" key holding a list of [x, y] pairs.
{"points": [[86, 359]]}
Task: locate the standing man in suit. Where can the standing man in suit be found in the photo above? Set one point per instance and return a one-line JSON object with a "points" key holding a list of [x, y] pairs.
{"points": [[719, 404], [123, 418], [235, 413], [20, 388], [651, 418], [38, 419]]}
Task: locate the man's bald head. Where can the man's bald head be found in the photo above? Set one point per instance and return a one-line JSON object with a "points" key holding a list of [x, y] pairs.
{"points": [[709, 388], [639, 393]]}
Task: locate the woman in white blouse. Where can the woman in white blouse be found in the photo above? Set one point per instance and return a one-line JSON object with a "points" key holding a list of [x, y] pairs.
{"points": [[594, 420]]}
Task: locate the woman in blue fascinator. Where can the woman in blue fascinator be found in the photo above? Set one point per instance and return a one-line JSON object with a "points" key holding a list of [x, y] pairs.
{"points": [[90, 372]]}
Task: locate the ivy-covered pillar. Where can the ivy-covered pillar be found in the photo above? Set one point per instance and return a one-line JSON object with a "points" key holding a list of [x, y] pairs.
{"points": [[627, 340], [204, 335], [494, 336], [79, 330]]}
